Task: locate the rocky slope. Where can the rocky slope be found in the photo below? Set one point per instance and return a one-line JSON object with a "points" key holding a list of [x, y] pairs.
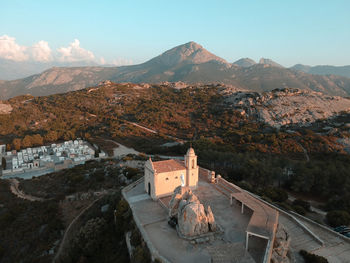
{"points": [[189, 63], [287, 106]]}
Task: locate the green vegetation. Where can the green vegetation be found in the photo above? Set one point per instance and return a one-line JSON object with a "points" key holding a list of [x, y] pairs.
{"points": [[312, 258], [99, 239], [31, 231], [28, 230], [338, 218]]}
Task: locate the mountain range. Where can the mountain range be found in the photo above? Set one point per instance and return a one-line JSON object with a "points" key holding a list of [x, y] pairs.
{"points": [[189, 63], [324, 70]]}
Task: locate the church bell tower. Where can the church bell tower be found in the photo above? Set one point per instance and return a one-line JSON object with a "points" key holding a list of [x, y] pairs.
{"points": [[191, 168]]}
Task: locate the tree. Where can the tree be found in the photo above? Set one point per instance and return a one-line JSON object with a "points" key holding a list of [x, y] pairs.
{"points": [[17, 143], [27, 141], [51, 136], [37, 140], [338, 217], [90, 236]]}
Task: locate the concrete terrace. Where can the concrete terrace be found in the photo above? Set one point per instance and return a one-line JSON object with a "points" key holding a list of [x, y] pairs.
{"points": [[229, 246]]}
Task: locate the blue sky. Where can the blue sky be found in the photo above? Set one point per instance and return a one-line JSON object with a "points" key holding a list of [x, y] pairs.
{"points": [[289, 32]]}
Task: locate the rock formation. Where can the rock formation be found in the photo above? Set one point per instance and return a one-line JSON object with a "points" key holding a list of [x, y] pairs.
{"points": [[281, 247], [193, 219], [287, 106]]}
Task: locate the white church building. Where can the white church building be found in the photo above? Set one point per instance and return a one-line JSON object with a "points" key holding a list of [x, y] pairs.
{"points": [[161, 178]]}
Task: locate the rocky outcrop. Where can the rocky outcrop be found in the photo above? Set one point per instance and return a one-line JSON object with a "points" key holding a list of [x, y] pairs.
{"points": [[281, 246], [5, 108], [211, 220], [287, 106], [193, 219]]}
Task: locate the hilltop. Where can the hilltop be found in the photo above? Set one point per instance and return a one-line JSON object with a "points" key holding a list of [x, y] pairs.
{"points": [[324, 70], [189, 63]]}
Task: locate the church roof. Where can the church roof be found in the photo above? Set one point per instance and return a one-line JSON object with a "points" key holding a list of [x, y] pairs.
{"points": [[168, 166]]}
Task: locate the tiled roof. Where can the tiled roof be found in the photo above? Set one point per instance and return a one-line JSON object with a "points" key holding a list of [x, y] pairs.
{"points": [[168, 166]]}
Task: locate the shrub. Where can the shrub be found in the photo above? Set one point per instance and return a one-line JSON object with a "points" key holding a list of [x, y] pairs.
{"points": [[135, 238], [299, 209], [304, 204], [312, 258], [338, 218], [275, 194], [90, 236], [141, 255], [131, 172]]}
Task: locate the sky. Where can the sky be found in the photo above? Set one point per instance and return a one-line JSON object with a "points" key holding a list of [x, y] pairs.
{"points": [[131, 32]]}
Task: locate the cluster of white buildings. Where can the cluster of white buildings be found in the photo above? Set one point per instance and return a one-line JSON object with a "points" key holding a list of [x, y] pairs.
{"points": [[72, 152]]}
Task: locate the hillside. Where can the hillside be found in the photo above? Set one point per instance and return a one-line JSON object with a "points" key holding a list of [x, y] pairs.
{"points": [[189, 63], [235, 133], [324, 70], [213, 111]]}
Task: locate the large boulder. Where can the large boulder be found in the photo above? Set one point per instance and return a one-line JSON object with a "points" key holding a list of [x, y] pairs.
{"points": [[180, 193], [193, 219]]}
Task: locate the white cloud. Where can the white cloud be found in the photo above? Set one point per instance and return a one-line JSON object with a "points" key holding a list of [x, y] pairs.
{"points": [[9, 49], [41, 51], [102, 61], [74, 53]]}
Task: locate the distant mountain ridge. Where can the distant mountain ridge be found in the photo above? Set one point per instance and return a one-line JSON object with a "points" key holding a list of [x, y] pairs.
{"points": [[324, 70], [189, 63], [12, 70]]}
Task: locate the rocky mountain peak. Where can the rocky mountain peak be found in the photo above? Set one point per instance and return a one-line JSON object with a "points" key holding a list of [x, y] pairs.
{"points": [[190, 53], [267, 61], [245, 62]]}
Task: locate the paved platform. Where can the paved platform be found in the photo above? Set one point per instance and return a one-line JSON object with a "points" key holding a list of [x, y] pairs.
{"points": [[227, 247]]}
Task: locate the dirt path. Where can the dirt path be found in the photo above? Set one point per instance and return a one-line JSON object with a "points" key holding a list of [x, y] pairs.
{"points": [[154, 131], [142, 127], [66, 233], [14, 186]]}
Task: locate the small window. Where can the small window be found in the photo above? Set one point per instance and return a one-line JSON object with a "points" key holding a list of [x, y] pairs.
{"points": [[167, 178], [176, 177]]}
